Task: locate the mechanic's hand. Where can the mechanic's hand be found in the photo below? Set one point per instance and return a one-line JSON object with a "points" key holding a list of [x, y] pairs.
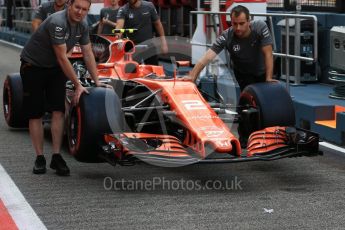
{"points": [[187, 78], [118, 35], [79, 90], [69, 53], [190, 77], [106, 21], [272, 80]]}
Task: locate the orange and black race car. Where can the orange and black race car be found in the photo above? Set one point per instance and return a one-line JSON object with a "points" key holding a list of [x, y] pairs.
{"points": [[166, 120]]}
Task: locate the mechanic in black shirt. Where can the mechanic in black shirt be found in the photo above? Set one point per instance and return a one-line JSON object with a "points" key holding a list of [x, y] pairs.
{"points": [[108, 18], [44, 69], [250, 46], [45, 10], [141, 15]]}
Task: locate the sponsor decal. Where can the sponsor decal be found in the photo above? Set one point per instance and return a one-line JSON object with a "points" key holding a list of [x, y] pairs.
{"points": [[193, 105], [203, 117], [58, 29], [223, 143], [212, 131], [59, 33], [236, 48], [265, 33], [120, 46], [222, 38], [66, 36]]}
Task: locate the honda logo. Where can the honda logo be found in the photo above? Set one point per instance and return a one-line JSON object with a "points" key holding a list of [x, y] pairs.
{"points": [[236, 48]]}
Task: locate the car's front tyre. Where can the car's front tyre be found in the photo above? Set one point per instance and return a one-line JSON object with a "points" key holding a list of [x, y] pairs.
{"points": [[97, 113], [273, 106]]}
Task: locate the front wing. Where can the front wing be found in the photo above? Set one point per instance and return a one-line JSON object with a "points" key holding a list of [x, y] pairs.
{"points": [[167, 149]]}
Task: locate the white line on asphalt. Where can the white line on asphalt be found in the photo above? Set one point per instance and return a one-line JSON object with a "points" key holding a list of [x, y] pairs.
{"points": [[333, 147], [19, 209], [11, 44]]}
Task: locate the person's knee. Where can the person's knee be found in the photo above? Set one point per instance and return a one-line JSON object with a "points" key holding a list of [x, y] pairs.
{"points": [[35, 123], [58, 114], [35, 120]]}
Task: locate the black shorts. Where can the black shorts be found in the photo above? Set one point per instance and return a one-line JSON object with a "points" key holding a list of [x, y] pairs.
{"points": [[44, 89]]}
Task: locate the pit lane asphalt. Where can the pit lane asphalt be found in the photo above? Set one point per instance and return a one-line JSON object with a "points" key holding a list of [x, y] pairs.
{"points": [[302, 192]]}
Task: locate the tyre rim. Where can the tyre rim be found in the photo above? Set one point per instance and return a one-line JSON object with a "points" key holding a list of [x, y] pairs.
{"points": [[248, 99], [74, 127]]}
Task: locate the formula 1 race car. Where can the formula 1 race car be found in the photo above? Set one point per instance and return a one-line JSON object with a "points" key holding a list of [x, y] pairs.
{"points": [[166, 120]]}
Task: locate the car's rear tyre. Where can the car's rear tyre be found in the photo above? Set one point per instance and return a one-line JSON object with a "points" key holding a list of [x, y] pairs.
{"points": [[96, 114], [13, 101], [273, 103]]}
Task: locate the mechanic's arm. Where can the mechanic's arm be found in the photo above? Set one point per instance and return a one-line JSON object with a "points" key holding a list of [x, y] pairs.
{"points": [[102, 22], [159, 28], [35, 23], [268, 57], [100, 27], [90, 63], [66, 66], [120, 23], [109, 22], [207, 58]]}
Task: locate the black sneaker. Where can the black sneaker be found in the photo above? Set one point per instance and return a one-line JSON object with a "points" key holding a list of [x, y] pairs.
{"points": [[40, 165], [59, 164]]}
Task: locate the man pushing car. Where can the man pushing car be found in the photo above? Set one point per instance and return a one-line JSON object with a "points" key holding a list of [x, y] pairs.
{"points": [[44, 70], [249, 44]]}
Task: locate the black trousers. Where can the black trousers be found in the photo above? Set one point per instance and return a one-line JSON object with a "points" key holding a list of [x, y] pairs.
{"points": [[147, 55], [244, 80], [247, 79]]}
